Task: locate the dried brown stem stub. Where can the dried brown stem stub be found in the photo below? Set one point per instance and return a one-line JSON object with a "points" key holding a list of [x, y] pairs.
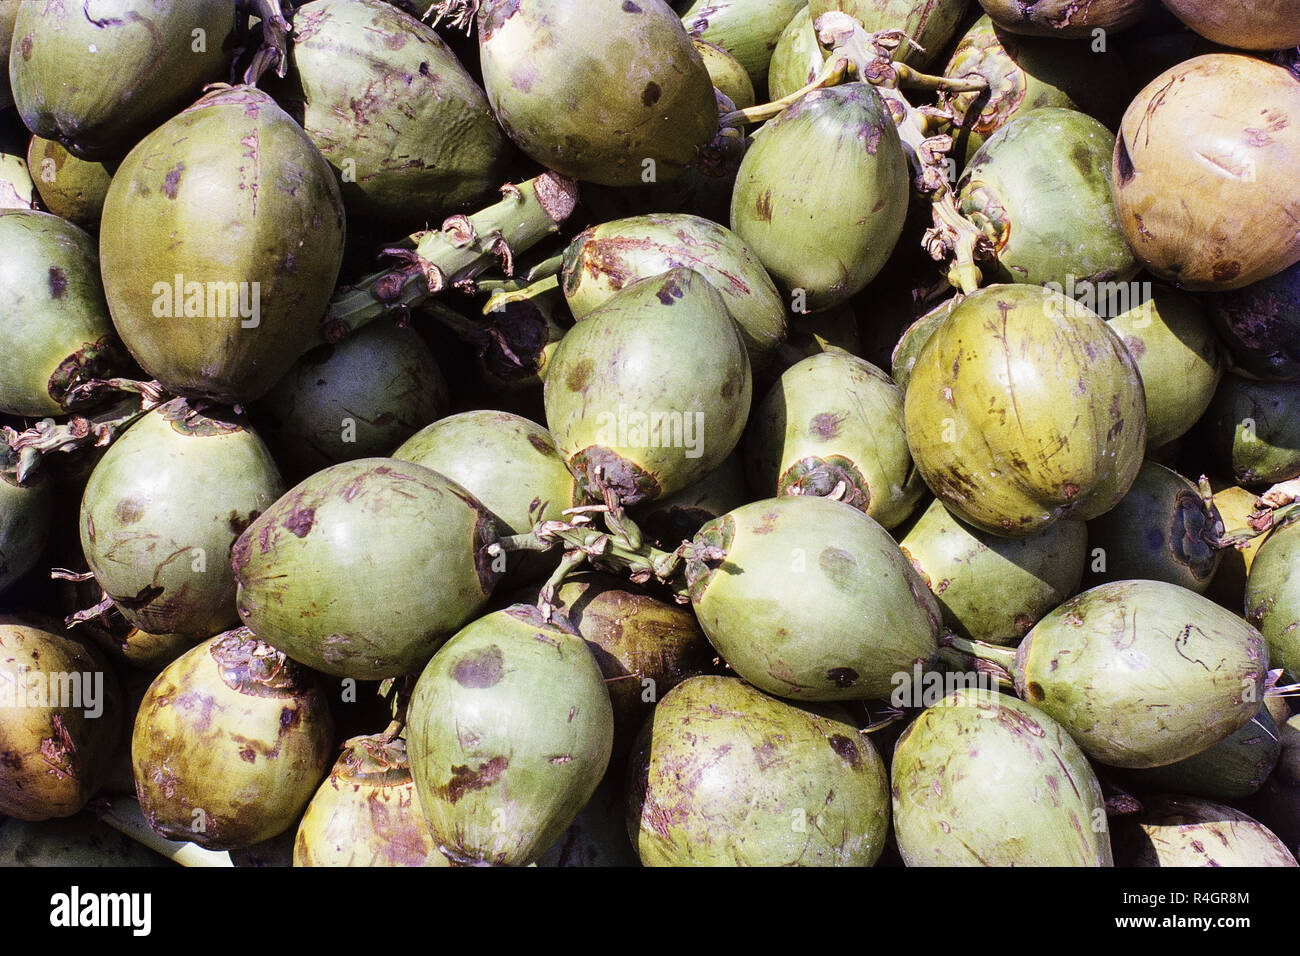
{"points": [[459, 14], [457, 254], [101, 429], [1278, 505]]}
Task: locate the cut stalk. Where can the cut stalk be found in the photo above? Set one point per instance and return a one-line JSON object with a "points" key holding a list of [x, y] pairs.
{"points": [[457, 254]]}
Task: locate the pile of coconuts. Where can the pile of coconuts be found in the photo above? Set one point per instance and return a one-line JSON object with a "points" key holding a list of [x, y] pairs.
{"points": [[611, 433]]}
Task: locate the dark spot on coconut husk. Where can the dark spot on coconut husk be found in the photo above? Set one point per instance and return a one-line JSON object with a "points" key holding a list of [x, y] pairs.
{"points": [[1082, 159], [763, 207], [1226, 271], [129, 510], [839, 566], [630, 7], [481, 669], [238, 525], [846, 748], [842, 676], [172, 180], [58, 282], [300, 521], [579, 375], [650, 95], [1123, 163], [669, 291], [464, 780], [826, 425]]}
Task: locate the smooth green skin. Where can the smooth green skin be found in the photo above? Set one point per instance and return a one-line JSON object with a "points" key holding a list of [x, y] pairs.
{"points": [[1261, 325], [1273, 596], [16, 189], [835, 418], [728, 76], [509, 732], [633, 635], [662, 347], [1160, 531], [163, 508], [982, 779], [822, 194], [1063, 19], [995, 589], [797, 57], [8, 14], [747, 29], [1253, 431], [26, 514], [596, 103], [1246, 25], [724, 775], [364, 569], [931, 23], [1232, 769], [1040, 188], [603, 260], [233, 729], [814, 600], [382, 93], [77, 841], [97, 85], [675, 518], [508, 463], [913, 340], [1023, 409], [1143, 673], [1179, 357], [1182, 831], [1206, 202], [598, 834], [1027, 73], [192, 199], [56, 757], [71, 188], [358, 399], [51, 308]]}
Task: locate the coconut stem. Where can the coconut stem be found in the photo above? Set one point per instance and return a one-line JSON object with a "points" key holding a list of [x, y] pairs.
{"points": [[836, 70], [522, 292], [1277, 506], [607, 550], [1003, 657], [534, 280], [275, 16], [48, 436], [455, 255], [124, 815]]}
